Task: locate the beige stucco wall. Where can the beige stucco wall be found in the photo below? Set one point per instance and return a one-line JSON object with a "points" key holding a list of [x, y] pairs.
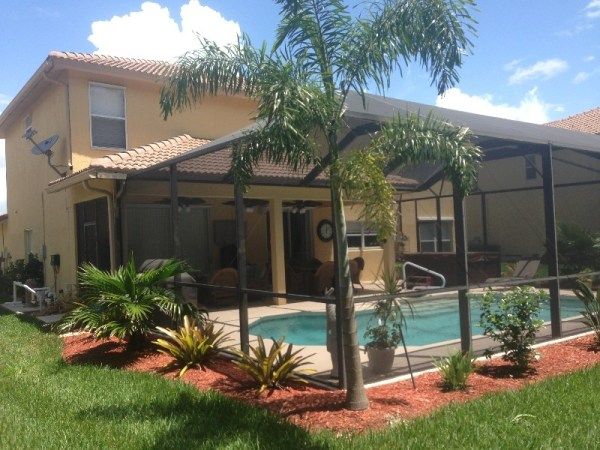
{"points": [[515, 220], [212, 118]]}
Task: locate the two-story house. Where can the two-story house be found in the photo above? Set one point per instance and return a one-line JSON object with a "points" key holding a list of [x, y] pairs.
{"points": [[105, 190]]}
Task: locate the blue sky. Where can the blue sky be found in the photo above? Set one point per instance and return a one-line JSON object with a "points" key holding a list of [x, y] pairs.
{"points": [[534, 60]]}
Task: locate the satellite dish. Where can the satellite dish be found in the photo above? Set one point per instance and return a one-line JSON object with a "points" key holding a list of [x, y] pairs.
{"points": [[44, 147]]}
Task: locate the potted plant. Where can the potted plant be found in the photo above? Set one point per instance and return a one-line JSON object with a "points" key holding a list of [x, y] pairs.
{"points": [[384, 330]]}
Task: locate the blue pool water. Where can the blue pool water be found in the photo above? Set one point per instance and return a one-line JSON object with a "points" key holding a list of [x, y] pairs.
{"points": [[433, 321]]}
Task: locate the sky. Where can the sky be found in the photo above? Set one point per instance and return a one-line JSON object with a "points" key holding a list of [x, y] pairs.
{"points": [[534, 60]]}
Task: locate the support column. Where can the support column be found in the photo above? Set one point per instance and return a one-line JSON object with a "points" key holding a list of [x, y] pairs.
{"points": [[173, 184], [462, 272], [389, 248], [240, 223], [551, 249], [277, 248]]}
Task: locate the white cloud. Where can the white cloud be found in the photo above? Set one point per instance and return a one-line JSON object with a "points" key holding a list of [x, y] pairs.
{"points": [[545, 70], [531, 108], [592, 10], [152, 33], [584, 76], [589, 58]]}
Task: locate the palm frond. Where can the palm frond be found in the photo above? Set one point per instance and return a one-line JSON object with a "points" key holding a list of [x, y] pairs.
{"points": [[392, 33]]}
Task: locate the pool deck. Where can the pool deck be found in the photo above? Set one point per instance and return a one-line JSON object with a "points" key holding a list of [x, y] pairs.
{"points": [[421, 357]]}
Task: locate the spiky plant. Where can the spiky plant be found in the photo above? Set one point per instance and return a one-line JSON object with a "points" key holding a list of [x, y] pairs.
{"points": [[192, 345], [591, 303], [126, 304], [273, 368], [455, 369], [323, 51]]}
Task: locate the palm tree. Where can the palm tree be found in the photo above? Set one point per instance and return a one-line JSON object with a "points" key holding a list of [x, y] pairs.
{"points": [[126, 303], [323, 51]]}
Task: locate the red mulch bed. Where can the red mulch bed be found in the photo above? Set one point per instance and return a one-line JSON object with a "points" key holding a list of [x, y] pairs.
{"points": [[316, 408]]}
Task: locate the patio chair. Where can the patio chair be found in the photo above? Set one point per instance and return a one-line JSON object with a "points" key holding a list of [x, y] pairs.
{"points": [[325, 276], [525, 269], [189, 294], [224, 277], [356, 270]]}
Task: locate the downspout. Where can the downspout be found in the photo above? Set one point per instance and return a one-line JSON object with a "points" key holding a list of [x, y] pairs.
{"points": [[110, 197], [64, 84]]}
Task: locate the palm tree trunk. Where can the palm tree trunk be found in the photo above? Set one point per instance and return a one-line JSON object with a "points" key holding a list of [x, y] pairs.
{"points": [[356, 397]]}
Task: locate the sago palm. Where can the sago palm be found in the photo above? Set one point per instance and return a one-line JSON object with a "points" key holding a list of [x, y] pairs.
{"points": [[125, 303], [325, 49]]}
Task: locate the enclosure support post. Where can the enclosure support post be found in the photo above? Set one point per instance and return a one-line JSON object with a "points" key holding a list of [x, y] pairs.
{"points": [[462, 272], [551, 249], [339, 324], [484, 230], [240, 223], [438, 223], [173, 181]]}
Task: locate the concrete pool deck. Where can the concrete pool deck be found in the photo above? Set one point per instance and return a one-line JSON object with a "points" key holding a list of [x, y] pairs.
{"points": [[421, 357]]}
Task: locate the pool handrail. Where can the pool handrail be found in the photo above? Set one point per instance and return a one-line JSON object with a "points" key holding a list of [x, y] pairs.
{"points": [[426, 270]]}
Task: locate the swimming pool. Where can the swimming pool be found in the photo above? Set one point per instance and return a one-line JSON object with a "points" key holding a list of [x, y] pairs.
{"points": [[434, 321]]}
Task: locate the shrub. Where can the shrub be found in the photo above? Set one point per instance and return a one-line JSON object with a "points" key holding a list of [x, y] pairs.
{"points": [[192, 345], [21, 270], [578, 249], [511, 318], [274, 368], [126, 303], [455, 369], [591, 302]]}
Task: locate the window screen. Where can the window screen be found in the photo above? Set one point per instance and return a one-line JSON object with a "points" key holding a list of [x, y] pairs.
{"points": [[431, 241], [107, 110], [359, 236]]}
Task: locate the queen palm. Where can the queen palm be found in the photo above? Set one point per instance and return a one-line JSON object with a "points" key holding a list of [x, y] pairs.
{"points": [[324, 50]]}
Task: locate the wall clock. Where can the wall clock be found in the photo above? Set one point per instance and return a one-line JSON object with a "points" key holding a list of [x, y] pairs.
{"points": [[325, 230]]}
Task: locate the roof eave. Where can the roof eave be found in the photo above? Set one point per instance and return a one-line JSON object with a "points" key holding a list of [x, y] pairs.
{"points": [[89, 174]]}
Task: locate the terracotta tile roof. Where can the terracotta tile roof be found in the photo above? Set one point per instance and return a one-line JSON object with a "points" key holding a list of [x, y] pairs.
{"points": [[146, 156], [211, 167], [587, 122], [144, 66]]}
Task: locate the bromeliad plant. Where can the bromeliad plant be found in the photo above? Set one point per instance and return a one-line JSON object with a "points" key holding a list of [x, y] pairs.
{"points": [[512, 318], [455, 369], [192, 344], [126, 304], [591, 303], [274, 368]]}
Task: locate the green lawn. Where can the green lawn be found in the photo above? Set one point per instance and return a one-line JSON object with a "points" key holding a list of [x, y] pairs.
{"points": [[45, 403]]}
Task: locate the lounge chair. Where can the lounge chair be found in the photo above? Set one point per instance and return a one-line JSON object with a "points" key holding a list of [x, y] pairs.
{"points": [[525, 269], [224, 277], [356, 270]]}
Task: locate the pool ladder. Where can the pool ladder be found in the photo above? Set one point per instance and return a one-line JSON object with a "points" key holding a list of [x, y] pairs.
{"points": [[426, 270]]}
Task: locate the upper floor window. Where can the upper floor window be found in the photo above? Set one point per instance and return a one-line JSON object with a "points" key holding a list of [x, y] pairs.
{"points": [[431, 239], [359, 236], [107, 115]]}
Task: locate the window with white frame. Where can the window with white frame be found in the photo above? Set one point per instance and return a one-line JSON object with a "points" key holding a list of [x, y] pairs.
{"points": [[107, 116], [359, 236], [432, 240]]}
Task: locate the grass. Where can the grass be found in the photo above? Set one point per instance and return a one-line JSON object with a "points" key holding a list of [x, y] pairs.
{"points": [[45, 403]]}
